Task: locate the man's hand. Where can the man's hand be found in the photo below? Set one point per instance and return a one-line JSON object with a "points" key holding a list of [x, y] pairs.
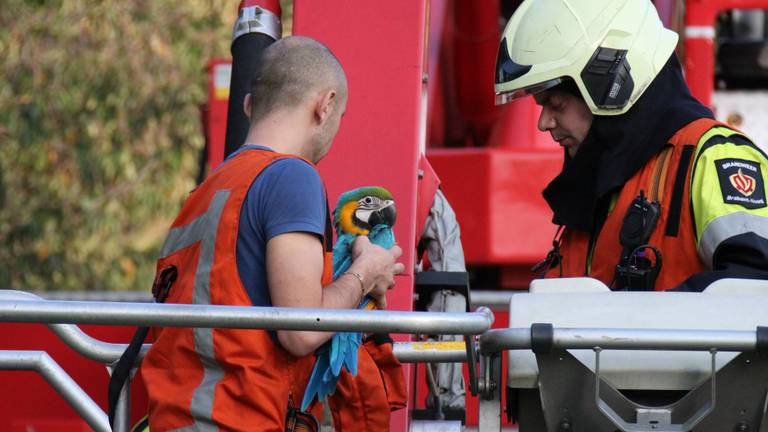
{"points": [[378, 268]]}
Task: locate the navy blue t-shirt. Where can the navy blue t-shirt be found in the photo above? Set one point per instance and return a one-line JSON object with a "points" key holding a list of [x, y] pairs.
{"points": [[288, 196]]}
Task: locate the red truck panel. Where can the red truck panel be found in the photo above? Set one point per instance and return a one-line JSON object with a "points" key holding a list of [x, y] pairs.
{"points": [[496, 194]]}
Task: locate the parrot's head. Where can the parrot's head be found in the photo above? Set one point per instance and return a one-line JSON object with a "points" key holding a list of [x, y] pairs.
{"points": [[361, 209]]}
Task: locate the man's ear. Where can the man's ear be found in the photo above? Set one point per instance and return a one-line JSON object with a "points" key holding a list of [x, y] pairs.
{"points": [[247, 106], [324, 106]]}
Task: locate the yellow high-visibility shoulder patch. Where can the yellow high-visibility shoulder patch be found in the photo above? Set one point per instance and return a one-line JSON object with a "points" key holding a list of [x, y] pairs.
{"points": [[729, 176]]}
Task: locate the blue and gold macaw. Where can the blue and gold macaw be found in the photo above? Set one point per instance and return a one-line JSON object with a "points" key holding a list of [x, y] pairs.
{"points": [[368, 211]]}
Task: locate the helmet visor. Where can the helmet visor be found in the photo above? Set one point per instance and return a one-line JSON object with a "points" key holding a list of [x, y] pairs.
{"points": [[508, 96]]}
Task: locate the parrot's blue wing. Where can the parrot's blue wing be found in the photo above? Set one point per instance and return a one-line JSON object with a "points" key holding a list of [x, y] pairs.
{"points": [[343, 346], [342, 254], [315, 386], [342, 351]]}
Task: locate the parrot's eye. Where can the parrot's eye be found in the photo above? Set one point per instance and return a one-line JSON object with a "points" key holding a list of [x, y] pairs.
{"points": [[368, 200]]}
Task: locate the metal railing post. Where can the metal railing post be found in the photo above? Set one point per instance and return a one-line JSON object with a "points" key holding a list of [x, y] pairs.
{"points": [[43, 364], [123, 408], [489, 410]]}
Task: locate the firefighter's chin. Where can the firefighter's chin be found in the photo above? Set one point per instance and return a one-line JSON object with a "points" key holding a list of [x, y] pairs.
{"points": [[570, 145]]}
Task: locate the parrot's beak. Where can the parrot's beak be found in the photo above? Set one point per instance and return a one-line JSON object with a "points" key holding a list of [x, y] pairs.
{"points": [[386, 215]]}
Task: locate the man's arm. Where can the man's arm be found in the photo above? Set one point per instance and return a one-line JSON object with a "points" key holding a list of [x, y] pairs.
{"points": [[294, 270], [730, 210]]}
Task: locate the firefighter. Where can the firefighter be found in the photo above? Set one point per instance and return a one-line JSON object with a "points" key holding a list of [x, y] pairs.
{"points": [[257, 232], [654, 193]]}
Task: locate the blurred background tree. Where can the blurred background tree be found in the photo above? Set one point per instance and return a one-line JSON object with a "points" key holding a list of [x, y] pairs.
{"points": [[100, 134]]}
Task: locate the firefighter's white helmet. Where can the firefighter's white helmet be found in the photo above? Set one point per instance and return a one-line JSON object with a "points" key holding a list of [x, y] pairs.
{"points": [[611, 49]]}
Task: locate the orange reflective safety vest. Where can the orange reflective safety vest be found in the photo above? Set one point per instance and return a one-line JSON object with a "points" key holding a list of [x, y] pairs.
{"points": [[666, 178], [232, 379], [363, 403]]}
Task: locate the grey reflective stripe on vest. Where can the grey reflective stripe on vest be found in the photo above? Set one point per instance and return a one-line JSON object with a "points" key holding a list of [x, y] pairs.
{"points": [[728, 226], [203, 229]]}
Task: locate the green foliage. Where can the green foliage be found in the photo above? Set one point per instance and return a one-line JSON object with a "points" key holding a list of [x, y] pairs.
{"points": [[99, 134]]}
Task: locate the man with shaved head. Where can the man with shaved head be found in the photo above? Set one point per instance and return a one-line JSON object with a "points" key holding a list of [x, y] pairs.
{"points": [[257, 233]]}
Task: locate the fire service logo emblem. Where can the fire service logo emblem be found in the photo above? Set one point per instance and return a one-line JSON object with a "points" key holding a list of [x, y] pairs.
{"points": [[741, 182]]}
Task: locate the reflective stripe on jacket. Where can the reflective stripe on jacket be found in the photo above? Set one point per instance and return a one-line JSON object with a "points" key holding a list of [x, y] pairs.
{"points": [[728, 190], [209, 379]]}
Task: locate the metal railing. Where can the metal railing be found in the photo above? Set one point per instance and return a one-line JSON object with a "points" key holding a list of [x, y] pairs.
{"points": [[497, 300], [241, 317], [430, 352], [547, 337], [498, 340], [73, 336], [61, 317]]}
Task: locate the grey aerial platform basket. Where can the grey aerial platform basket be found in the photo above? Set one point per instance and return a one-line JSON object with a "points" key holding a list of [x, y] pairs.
{"points": [[583, 358]]}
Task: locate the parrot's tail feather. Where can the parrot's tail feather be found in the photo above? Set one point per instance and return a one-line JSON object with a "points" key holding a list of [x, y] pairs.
{"points": [[313, 385]]}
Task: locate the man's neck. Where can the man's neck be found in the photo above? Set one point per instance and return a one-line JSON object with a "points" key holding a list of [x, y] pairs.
{"points": [[277, 134]]}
